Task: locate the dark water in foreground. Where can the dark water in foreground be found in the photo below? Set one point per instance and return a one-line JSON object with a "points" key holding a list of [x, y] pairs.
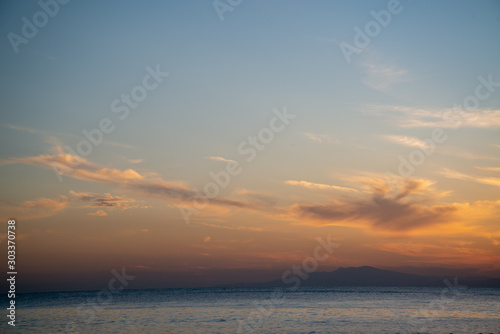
{"points": [[262, 310]]}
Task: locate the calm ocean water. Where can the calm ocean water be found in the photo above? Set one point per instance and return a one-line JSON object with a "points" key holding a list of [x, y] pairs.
{"points": [[261, 310]]}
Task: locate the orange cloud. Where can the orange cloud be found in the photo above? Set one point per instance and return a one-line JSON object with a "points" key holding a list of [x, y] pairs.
{"points": [[490, 169], [40, 208], [98, 213], [451, 174], [447, 251], [407, 141], [221, 159], [232, 227], [80, 168], [391, 207], [311, 185]]}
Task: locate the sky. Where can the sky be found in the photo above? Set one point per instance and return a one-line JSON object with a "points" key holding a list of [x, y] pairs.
{"points": [[198, 143]]}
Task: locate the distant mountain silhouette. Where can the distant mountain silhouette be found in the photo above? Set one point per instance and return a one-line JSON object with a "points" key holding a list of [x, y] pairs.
{"points": [[370, 276]]}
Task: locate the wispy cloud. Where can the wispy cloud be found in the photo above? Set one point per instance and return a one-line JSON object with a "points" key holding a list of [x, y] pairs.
{"points": [[452, 174], [135, 161], [490, 169], [77, 167], [493, 181], [262, 198], [34, 209], [23, 129], [311, 185], [320, 138], [409, 117], [231, 227], [98, 213], [406, 141], [382, 77], [221, 159]]}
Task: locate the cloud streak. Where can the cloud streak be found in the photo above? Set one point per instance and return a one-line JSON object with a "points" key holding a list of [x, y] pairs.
{"points": [[98, 213], [452, 174], [409, 117], [490, 169], [231, 227], [382, 77], [221, 159], [311, 185], [406, 141]]}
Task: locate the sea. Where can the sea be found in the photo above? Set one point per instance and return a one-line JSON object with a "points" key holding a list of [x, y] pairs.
{"points": [[260, 310]]}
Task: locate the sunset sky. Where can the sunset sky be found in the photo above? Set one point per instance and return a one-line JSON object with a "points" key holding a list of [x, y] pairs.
{"points": [[224, 142]]}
